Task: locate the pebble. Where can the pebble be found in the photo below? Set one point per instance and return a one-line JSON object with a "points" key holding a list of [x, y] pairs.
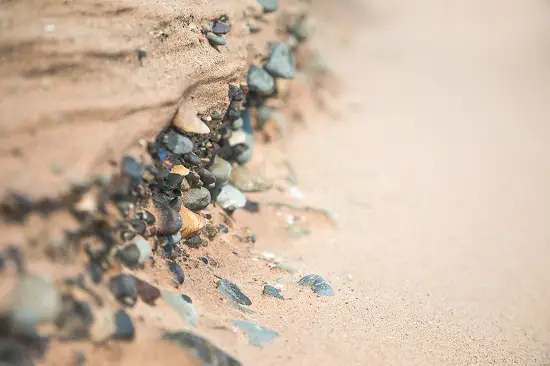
{"points": [[206, 176], [96, 272], [256, 333], [259, 80], [192, 223], [185, 309], [246, 181], [216, 40], [123, 287], [186, 298], [185, 186], [168, 221], [14, 354], [268, 5], [237, 137], [180, 170], [132, 168], [233, 292], [192, 159], [210, 231], [263, 114], [220, 28], [207, 352], [272, 291], [190, 123], [179, 275], [221, 169], [223, 228], [317, 284], [235, 93], [129, 256], [196, 199], [281, 62], [147, 292], [177, 143], [230, 198], [174, 239], [194, 242], [140, 227], [124, 327], [34, 301], [237, 124]]}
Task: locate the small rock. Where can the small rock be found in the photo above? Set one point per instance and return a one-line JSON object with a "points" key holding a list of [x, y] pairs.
{"points": [[132, 168], [272, 291], [104, 325], [281, 62], [256, 333], [216, 40], [124, 328], [34, 301], [96, 272], [145, 252], [168, 221], [259, 80], [196, 199], [237, 124], [186, 298], [220, 28], [210, 231], [202, 349], [233, 292], [185, 186], [317, 284], [179, 275], [187, 121], [246, 181], [192, 159], [147, 292], [177, 143], [174, 239], [268, 5], [140, 226], [194, 242], [251, 206], [13, 353], [235, 93], [123, 287], [221, 169], [185, 309], [129, 256], [223, 228], [180, 170], [230, 198], [206, 176]]}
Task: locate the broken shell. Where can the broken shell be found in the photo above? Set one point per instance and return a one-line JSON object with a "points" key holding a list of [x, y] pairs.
{"points": [[187, 121], [180, 170], [191, 223]]}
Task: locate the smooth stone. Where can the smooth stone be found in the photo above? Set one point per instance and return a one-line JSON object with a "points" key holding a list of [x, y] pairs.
{"points": [[247, 122], [263, 114], [235, 93], [206, 176], [96, 272], [129, 256], [192, 159], [187, 121], [132, 168], [174, 239], [104, 325], [179, 275], [317, 284], [34, 301], [281, 62], [237, 124], [208, 353], [246, 181], [147, 292], [185, 309], [196, 199], [269, 5], [145, 251], [123, 287], [256, 333], [273, 291], [233, 292], [210, 231], [230, 198], [221, 170], [177, 143], [194, 242], [216, 40], [260, 80], [167, 219], [237, 137], [180, 170], [186, 298], [220, 28], [124, 327]]}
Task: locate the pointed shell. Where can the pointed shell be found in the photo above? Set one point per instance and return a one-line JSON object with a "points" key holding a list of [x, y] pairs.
{"points": [[192, 223], [187, 121]]}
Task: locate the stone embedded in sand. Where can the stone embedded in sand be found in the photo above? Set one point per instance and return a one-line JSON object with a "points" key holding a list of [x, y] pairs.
{"points": [[168, 221], [246, 181], [192, 223], [179, 275], [230, 198], [177, 143], [187, 121], [220, 28], [273, 291], [221, 170], [259, 80], [129, 256], [235, 93], [184, 308], [124, 327], [256, 333], [269, 5], [194, 241], [123, 287], [196, 199], [233, 292], [205, 351], [281, 62], [317, 284], [216, 40], [180, 170]]}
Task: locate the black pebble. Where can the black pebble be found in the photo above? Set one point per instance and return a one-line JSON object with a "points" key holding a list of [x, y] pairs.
{"points": [[252, 206], [149, 218], [132, 168], [204, 260], [235, 93], [169, 220], [192, 159], [187, 299], [193, 179], [220, 28], [140, 226], [177, 271], [174, 180], [123, 287], [129, 255], [124, 327], [207, 176]]}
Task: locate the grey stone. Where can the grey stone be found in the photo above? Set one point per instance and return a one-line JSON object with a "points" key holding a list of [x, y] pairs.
{"points": [[192, 158], [246, 181], [220, 28], [216, 40], [260, 80], [124, 327], [237, 124], [317, 284], [221, 170], [281, 62], [209, 354], [168, 221], [132, 168], [185, 309], [196, 199], [256, 333], [129, 255], [233, 292], [123, 287], [174, 239], [268, 5], [273, 291], [177, 143], [230, 198]]}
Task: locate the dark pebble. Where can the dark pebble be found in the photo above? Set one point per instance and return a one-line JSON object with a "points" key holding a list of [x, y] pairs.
{"points": [[149, 217], [140, 226], [192, 159], [233, 292], [273, 291], [317, 284], [168, 220], [132, 168], [252, 206], [179, 275], [129, 256], [216, 40], [162, 154], [194, 241], [14, 354], [124, 327], [160, 172], [193, 179], [220, 28], [235, 93], [223, 228], [79, 359], [196, 199], [176, 203], [127, 235], [177, 143], [187, 299], [147, 292], [204, 260], [206, 176], [96, 272], [123, 287]]}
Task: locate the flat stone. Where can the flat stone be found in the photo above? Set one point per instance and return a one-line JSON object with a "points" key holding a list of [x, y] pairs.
{"points": [[281, 62], [180, 170], [196, 199], [317, 284], [177, 143], [221, 170], [209, 354], [256, 333], [230, 198], [233, 292], [273, 291], [259, 80], [185, 309], [269, 5], [220, 28], [124, 327], [187, 121], [206, 176], [216, 40], [179, 275]]}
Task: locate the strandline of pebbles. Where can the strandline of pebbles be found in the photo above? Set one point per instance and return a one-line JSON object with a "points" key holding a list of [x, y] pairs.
{"points": [[150, 210]]}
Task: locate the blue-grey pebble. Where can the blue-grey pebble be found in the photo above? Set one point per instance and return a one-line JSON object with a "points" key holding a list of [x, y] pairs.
{"points": [[177, 143], [281, 62], [269, 5], [260, 80], [233, 292], [317, 284]]}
